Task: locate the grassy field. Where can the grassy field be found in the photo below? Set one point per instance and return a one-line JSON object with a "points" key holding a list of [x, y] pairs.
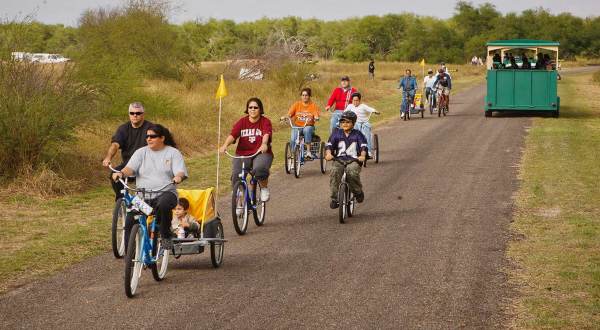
{"points": [[557, 223], [43, 234]]}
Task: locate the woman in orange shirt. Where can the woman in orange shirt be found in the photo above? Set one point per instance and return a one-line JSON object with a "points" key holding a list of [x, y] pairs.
{"points": [[303, 114]]}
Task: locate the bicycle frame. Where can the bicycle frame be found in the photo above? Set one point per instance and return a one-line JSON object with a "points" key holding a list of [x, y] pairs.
{"points": [[299, 138], [407, 100], [248, 195]]}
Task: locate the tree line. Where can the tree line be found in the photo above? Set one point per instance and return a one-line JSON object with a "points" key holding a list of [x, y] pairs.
{"points": [[394, 37]]}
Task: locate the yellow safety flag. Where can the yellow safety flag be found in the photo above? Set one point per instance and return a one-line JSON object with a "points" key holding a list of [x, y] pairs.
{"points": [[222, 90], [422, 63]]}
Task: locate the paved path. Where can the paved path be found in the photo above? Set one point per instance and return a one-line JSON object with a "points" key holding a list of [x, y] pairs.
{"points": [[426, 249]]}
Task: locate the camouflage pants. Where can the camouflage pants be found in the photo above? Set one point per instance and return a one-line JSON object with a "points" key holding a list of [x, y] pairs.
{"points": [[352, 177]]}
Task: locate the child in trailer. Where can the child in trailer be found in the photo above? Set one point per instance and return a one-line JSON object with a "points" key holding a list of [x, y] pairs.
{"points": [[184, 224]]}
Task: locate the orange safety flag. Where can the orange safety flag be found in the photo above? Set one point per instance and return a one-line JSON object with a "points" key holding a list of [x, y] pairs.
{"points": [[222, 90]]}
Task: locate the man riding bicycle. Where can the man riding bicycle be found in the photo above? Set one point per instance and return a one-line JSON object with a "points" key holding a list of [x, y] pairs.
{"points": [[129, 137], [346, 144], [408, 84], [338, 101], [304, 113], [428, 86], [444, 83]]}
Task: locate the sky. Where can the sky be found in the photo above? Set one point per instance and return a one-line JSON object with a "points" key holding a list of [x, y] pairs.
{"points": [[67, 12]]}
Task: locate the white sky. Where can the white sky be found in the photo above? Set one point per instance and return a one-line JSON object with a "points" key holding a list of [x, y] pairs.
{"points": [[68, 11]]}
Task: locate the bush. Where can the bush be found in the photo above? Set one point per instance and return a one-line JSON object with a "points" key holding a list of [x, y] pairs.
{"points": [[596, 77], [40, 106], [292, 76]]}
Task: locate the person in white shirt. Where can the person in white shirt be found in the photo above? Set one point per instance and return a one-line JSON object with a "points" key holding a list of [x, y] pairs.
{"points": [[363, 113], [428, 85]]}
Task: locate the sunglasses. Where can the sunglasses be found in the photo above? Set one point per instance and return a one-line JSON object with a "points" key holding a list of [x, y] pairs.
{"points": [[253, 107], [152, 136], [136, 113]]}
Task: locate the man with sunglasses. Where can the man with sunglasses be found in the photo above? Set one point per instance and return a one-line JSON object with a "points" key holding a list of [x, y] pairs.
{"points": [[129, 137]]}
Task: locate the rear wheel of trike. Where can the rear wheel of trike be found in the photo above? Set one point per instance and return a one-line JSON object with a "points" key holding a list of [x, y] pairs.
{"points": [[260, 211], [322, 161], [375, 152], [239, 208], [217, 248], [289, 161], [159, 269], [118, 228], [133, 261]]}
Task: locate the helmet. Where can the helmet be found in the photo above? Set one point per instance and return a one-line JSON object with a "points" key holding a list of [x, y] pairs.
{"points": [[349, 115]]}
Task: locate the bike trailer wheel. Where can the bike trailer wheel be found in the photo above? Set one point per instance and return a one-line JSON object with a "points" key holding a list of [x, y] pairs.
{"points": [[159, 268], [118, 228], [239, 208], [133, 261], [217, 249], [260, 211], [288, 158]]}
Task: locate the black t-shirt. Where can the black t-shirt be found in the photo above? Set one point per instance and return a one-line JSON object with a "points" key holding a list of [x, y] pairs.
{"points": [[371, 67], [130, 139]]}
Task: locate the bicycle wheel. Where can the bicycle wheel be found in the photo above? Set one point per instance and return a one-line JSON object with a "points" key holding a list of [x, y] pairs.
{"points": [[239, 208], [440, 107], [118, 228], [289, 162], [133, 261], [322, 161], [159, 268], [297, 160], [217, 248], [260, 211], [351, 205], [342, 194], [375, 152]]}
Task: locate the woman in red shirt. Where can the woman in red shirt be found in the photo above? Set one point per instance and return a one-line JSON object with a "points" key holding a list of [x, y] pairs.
{"points": [[252, 133]]}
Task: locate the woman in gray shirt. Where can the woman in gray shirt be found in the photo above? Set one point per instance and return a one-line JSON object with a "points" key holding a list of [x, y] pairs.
{"points": [[157, 167]]}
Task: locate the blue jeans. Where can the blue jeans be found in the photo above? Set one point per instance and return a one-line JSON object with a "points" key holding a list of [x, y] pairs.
{"points": [[308, 133], [407, 96], [365, 128], [430, 91], [335, 120]]}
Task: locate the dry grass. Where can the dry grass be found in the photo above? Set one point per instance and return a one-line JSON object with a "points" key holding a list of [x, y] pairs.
{"points": [[558, 215], [43, 234]]}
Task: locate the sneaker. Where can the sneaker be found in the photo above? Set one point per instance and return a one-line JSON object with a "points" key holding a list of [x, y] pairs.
{"points": [[402, 115], [309, 155], [360, 197], [334, 204], [265, 194], [166, 243], [369, 155]]}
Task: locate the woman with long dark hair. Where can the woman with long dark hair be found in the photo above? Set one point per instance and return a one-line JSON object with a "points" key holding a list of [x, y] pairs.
{"points": [[157, 167], [253, 133]]}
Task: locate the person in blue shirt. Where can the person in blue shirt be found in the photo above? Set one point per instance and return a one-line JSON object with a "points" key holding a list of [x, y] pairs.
{"points": [[346, 144], [408, 84]]}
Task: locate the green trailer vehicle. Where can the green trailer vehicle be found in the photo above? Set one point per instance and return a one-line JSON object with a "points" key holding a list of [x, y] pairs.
{"points": [[513, 86]]}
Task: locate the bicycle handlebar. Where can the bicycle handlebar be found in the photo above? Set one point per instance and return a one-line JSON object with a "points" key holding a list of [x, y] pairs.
{"points": [[124, 183], [241, 157], [289, 120]]}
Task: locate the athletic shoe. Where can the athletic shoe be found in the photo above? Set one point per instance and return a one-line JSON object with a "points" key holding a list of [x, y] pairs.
{"points": [[309, 155], [265, 194], [402, 115], [334, 204], [360, 197]]}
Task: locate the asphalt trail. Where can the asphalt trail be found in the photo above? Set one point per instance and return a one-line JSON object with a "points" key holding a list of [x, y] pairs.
{"points": [[426, 248]]}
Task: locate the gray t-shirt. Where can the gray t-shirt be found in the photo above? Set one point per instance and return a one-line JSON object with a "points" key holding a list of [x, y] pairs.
{"points": [[155, 169]]}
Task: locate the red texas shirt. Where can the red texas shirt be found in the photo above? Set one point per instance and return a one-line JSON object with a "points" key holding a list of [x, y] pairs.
{"points": [[250, 135]]}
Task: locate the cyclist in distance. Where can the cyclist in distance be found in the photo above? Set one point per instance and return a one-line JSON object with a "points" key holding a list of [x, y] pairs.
{"points": [[346, 144], [304, 113], [157, 168], [428, 86], [338, 101], [444, 82], [408, 84], [129, 137], [253, 133], [363, 113]]}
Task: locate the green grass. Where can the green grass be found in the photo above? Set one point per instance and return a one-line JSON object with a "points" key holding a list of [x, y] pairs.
{"points": [[558, 215], [41, 235]]}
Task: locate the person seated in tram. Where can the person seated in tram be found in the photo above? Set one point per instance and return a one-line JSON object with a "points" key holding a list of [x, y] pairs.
{"points": [[539, 63], [526, 65]]}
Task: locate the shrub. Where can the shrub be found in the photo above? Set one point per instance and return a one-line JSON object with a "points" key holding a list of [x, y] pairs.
{"points": [[293, 75], [596, 77], [40, 106]]}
